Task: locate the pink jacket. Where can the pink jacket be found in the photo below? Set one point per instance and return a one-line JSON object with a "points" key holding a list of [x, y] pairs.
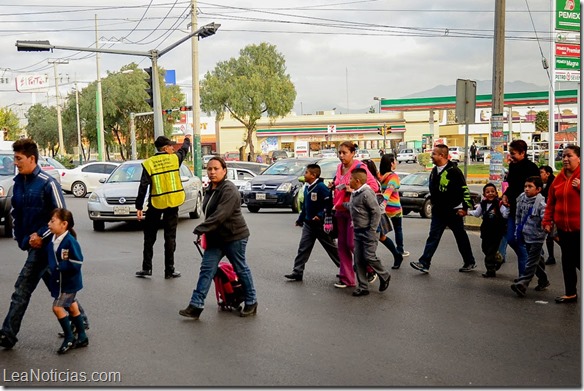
{"points": [[340, 195]]}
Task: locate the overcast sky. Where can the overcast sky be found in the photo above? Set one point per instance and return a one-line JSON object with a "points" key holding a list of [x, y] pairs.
{"points": [[339, 53]]}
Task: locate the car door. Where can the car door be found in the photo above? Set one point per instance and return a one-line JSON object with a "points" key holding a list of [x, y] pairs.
{"points": [[91, 174], [189, 187]]}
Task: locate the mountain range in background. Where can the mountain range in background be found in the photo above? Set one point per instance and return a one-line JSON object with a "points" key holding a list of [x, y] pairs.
{"points": [[483, 87]]}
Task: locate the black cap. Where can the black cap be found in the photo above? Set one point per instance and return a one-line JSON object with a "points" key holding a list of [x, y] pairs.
{"points": [[162, 141]]}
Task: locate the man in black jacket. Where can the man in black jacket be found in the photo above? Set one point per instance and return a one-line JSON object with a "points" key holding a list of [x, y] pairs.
{"points": [[520, 168], [450, 201]]}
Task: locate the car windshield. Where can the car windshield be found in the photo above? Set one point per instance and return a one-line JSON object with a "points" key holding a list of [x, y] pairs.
{"points": [[55, 163], [416, 179], [286, 167], [130, 172], [7, 164]]}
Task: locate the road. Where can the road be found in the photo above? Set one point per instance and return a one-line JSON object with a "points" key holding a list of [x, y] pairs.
{"points": [[442, 329]]}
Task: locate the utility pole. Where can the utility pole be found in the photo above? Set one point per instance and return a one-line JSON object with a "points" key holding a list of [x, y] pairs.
{"points": [[133, 136], [497, 139], [79, 145], [59, 121], [99, 104], [196, 147]]}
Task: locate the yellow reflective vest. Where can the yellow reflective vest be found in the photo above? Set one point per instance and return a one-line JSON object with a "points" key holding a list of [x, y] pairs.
{"points": [[166, 189]]}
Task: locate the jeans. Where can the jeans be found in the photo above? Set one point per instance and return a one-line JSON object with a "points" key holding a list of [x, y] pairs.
{"points": [[151, 224], [534, 265], [310, 233], [437, 226], [396, 221], [235, 253], [519, 249], [34, 269]]}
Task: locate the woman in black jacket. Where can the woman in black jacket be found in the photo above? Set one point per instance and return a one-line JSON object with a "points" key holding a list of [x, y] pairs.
{"points": [[226, 234], [547, 177]]}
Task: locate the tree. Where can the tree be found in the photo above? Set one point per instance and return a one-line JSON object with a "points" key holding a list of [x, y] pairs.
{"points": [[541, 121], [9, 123], [248, 87], [42, 126]]}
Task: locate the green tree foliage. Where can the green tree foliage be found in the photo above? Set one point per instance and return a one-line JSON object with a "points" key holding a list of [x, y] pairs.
{"points": [[42, 127], [541, 121], [9, 123], [248, 87]]}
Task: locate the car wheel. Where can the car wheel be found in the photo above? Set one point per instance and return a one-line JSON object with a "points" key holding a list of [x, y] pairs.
{"points": [[79, 189], [98, 226], [8, 227], [253, 209], [426, 211], [198, 212]]}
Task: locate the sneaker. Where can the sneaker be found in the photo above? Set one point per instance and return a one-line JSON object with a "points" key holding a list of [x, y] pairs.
{"points": [[294, 276], [6, 342], [360, 292], [191, 312], [173, 274], [249, 310], [340, 285], [519, 289], [542, 286], [550, 261], [467, 267], [383, 284], [406, 254], [143, 273], [420, 266], [371, 277]]}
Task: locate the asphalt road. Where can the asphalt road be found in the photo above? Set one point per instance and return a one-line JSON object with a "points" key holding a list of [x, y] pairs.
{"points": [[442, 329]]}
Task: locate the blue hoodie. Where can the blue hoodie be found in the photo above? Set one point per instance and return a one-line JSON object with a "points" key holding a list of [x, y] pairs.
{"points": [[532, 229]]}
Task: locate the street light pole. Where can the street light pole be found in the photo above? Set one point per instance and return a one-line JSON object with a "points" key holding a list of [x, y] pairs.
{"points": [[59, 120], [197, 163], [79, 145], [99, 105]]}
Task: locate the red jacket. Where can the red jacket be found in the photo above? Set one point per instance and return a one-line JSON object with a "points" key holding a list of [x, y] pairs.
{"points": [[563, 204]]}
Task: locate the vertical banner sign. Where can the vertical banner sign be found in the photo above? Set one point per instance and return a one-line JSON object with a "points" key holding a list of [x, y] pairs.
{"points": [[567, 47], [497, 138]]}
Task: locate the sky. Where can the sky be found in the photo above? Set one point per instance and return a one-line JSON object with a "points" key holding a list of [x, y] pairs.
{"points": [[339, 53]]}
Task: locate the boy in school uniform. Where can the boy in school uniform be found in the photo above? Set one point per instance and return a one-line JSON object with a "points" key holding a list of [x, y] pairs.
{"points": [[530, 233], [365, 214], [317, 203]]}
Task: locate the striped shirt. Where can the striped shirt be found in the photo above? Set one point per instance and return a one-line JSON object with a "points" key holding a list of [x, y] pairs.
{"points": [[389, 186]]}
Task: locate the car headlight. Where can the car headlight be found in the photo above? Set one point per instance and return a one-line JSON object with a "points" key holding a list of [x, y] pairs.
{"points": [[284, 187], [247, 186], [93, 197], [410, 194], [2, 192]]}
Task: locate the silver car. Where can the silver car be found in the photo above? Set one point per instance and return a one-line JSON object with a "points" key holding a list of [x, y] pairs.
{"points": [[115, 200]]}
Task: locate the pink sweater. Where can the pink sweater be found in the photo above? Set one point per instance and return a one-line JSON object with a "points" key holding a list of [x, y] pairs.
{"points": [[340, 196]]}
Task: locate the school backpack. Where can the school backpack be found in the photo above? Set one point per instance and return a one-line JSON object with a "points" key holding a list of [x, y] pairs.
{"points": [[228, 288]]}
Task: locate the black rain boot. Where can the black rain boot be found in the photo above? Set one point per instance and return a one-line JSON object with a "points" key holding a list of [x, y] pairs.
{"points": [[82, 340], [69, 341]]}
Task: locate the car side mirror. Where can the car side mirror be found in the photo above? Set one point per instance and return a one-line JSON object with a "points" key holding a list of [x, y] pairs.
{"points": [[301, 179], [102, 180], [184, 178]]}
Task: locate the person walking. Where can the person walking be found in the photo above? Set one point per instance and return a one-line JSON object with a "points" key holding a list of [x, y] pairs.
{"points": [[520, 168], [65, 260], [450, 201], [563, 210], [345, 240], [365, 215], [547, 177], [530, 233], [161, 174], [35, 196], [473, 152], [316, 205], [226, 234], [390, 185]]}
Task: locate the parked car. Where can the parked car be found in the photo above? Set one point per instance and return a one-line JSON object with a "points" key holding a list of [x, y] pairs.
{"points": [[239, 176], [482, 151], [206, 159], [54, 163], [362, 154], [85, 178], [7, 172], [414, 193], [114, 201], [326, 153], [278, 186], [273, 156], [456, 154], [231, 156], [256, 168], [407, 155]]}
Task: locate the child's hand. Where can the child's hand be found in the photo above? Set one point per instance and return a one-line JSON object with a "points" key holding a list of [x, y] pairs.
{"points": [[576, 183], [505, 201]]}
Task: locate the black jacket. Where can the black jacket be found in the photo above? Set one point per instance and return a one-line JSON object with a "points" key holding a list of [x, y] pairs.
{"points": [[448, 190], [518, 173], [547, 186], [224, 221]]}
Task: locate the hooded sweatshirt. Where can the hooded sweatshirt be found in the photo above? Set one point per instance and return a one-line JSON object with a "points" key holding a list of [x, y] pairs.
{"points": [[532, 229]]}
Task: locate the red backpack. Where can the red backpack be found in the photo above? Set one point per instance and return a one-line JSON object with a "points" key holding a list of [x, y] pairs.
{"points": [[228, 289]]}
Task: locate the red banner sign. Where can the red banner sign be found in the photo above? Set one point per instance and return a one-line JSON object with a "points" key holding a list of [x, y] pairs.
{"points": [[565, 50]]}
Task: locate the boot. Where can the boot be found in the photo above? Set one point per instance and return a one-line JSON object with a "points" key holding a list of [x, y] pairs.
{"points": [[69, 340], [82, 340], [191, 312]]}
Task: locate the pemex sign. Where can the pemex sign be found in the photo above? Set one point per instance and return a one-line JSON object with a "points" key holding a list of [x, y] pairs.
{"points": [[567, 53]]}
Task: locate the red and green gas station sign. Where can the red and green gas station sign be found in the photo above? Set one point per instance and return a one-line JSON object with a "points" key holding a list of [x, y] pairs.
{"points": [[568, 15], [567, 54]]}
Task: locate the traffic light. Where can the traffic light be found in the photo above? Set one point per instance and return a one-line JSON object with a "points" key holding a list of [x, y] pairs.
{"points": [[380, 131], [149, 90], [186, 108], [167, 111], [388, 129]]}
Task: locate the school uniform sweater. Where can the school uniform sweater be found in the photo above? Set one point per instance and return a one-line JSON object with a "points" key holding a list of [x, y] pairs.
{"points": [[65, 260], [317, 202]]}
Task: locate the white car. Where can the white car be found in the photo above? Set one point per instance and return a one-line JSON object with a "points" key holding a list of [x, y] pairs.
{"points": [[362, 154], [239, 176], [407, 155], [85, 178], [456, 154], [328, 153], [115, 200]]}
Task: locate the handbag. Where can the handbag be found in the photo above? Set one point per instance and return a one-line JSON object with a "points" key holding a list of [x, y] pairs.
{"points": [[331, 226]]}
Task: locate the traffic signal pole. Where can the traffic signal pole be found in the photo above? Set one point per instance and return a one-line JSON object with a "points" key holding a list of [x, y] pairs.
{"points": [[158, 125]]}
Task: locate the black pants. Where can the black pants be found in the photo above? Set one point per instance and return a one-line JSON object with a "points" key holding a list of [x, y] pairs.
{"points": [[151, 225], [311, 232], [490, 242], [570, 245], [437, 226]]}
